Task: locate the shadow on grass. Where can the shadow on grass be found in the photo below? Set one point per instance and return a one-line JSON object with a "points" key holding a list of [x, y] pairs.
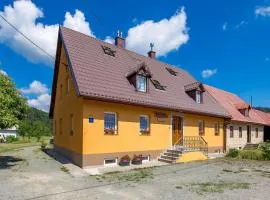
{"points": [[7, 162]]}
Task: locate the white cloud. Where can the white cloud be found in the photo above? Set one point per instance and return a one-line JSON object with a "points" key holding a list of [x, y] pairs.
{"points": [[35, 87], [42, 102], [207, 73], [77, 22], [167, 34], [262, 11], [109, 39], [242, 23], [224, 26], [24, 15], [3, 72]]}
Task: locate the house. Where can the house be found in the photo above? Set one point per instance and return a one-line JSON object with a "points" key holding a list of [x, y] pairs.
{"points": [[266, 117], [108, 102], [246, 126], [8, 132]]}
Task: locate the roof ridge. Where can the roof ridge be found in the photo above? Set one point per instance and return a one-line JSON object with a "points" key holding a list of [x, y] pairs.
{"points": [[124, 49]]}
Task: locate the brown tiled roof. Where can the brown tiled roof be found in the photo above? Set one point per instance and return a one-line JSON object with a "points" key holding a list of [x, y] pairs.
{"points": [[101, 76], [232, 103], [265, 116]]}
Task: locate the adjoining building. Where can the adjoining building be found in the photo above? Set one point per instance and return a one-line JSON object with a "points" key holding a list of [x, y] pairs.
{"points": [[8, 132], [245, 127], [108, 102], [266, 118]]}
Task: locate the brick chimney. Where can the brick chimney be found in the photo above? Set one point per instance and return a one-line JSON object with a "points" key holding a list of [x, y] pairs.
{"points": [[151, 53], [119, 40]]}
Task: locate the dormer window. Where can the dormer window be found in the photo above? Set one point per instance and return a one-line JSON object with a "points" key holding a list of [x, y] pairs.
{"points": [[243, 108], [195, 91], [244, 112], [108, 51], [141, 83], [198, 96], [158, 85]]}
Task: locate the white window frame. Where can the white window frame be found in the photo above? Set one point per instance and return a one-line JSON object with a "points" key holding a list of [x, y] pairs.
{"points": [[111, 164], [198, 97], [116, 120], [148, 158], [148, 124], [145, 82]]}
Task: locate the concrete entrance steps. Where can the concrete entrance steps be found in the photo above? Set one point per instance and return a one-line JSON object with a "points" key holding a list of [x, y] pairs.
{"points": [[251, 146], [170, 156]]}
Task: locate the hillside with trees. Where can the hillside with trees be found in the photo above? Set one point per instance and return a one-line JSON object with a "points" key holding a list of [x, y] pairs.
{"points": [[264, 109]]}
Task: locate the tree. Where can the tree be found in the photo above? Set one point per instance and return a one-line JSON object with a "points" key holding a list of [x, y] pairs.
{"points": [[13, 106]]}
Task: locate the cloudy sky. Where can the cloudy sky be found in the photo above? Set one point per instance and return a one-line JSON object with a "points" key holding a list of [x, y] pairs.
{"points": [[222, 43]]}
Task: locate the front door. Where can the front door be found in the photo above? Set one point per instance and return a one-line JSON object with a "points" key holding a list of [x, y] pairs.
{"points": [[177, 129], [248, 134]]}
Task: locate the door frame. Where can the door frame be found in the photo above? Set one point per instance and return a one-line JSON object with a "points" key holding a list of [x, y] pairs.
{"points": [[171, 125]]}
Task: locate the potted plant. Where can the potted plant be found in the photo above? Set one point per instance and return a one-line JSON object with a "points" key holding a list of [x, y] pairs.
{"points": [[137, 160], [124, 161], [109, 131]]}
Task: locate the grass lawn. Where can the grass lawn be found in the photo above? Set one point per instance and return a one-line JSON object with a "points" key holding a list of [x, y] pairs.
{"points": [[5, 147]]}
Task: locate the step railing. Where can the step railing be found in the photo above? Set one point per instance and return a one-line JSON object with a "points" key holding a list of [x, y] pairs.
{"points": [[178, 145], [195, 143]]}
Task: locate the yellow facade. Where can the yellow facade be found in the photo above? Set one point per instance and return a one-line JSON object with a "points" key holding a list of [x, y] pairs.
{"points": [[67, 104], [88, 138], [191, 156]]}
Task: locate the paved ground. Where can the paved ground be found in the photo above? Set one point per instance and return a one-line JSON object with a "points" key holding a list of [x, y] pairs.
{"points": [[30, 174]]}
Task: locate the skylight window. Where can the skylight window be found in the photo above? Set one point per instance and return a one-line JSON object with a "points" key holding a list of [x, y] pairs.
{"points": [[171, 71], [158, 85], [108, 51]]}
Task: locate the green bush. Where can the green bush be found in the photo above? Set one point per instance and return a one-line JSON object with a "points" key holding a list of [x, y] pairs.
{"points": [[265, 148], [251, 154], [10, 139], [43, 145], [233, 153]]}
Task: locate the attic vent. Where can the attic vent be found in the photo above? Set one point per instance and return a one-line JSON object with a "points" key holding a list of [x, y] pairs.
{"points": [[158, 85], [171, 71], [108, 51]]}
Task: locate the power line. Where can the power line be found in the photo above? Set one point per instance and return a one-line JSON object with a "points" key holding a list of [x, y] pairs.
{"points": [[27, 38]]}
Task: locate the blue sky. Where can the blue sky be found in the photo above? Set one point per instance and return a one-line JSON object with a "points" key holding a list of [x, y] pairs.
{"points": [[222, 43]]}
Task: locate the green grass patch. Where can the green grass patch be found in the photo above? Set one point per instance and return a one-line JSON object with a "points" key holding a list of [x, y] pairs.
{"points": [[21, 143], [137, 175], [64, 169], [209, 187]]}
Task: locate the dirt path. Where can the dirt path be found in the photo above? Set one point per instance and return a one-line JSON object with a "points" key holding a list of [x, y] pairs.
{"points": [[31, 174]]}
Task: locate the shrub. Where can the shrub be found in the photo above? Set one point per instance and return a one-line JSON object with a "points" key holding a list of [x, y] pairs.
{"points": [[251, 154], [43, 145], [10, 139], [265, 148], [233, 153]]}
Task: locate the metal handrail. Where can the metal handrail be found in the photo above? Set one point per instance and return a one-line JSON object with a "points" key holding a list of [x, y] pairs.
{"points": [[195, 143]]}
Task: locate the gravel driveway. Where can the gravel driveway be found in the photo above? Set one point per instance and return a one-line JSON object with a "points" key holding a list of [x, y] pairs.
{"points": [[31, 174]]}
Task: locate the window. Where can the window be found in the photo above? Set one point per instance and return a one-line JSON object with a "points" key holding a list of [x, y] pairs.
{"points": [[110, 161], [158, 85], [108, 51], [257, 132], [231, 131], [141, 83], [240, 132], [216, 129], [144, 124], [67, 85], [61, 125], [198, 96], [71, 125], [110, 123], [145, 158], [171, 71], [201, 128]]}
